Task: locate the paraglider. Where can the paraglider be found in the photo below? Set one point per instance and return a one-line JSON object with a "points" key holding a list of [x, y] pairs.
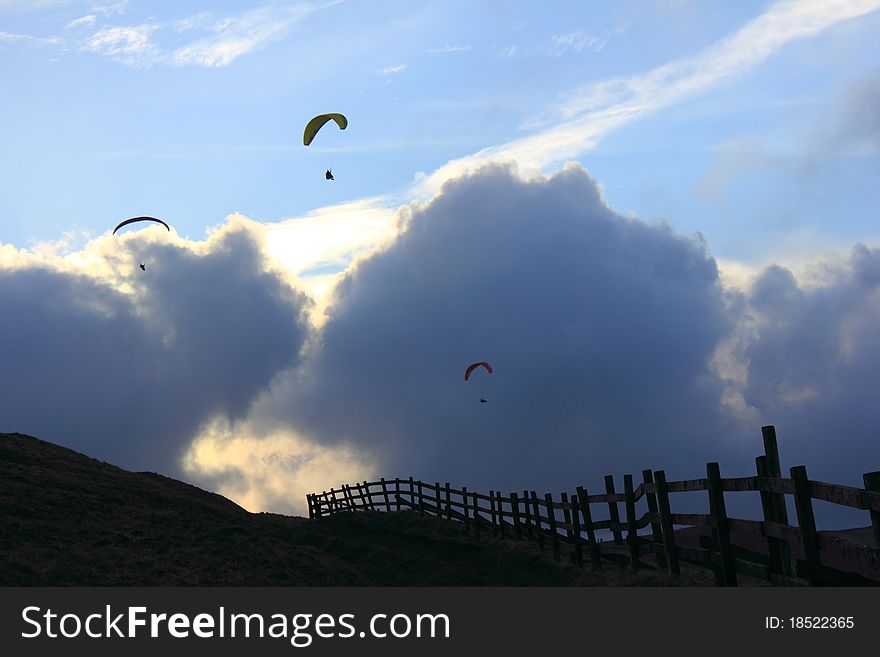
{"points": [[318, 122], [471, 368], [136, 219]]}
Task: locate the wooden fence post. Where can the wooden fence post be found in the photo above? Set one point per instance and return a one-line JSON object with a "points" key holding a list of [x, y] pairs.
{"points": [[720, 526], [421, 500], [500, 508], [477, 515], [803, 500], [528, 513], [576, 532], [537, 512], [437, 510], [369, 495], [397, 491], [612, 511], [656, 528], [412, 493], [448, 503], [385, 494], [666, 521], [551, 518], [631, 534], [492, 511], [595, 553], [872, 483], [566, 517], [514, 509], [778, 549], [773, 504], [464, 508]]}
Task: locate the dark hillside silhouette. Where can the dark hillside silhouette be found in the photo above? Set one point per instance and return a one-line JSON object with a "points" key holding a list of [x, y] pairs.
{"points": [[66, 519]]}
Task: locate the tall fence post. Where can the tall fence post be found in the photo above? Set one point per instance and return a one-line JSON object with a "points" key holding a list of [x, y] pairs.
{"points": [[872, 483], [514, 509], [656, 527], [595, 554], [537, 511], [720, 525], [477, 515], [421, 499], [551, 519], [499, 506], [528, 514], [773, 504], [631, 534], [666, 521], [612, 510], [576, 532], [803, 500], [397, 491], [448, 503], [464, 508], [385, 494], [492, 511], [437, 510], [566, 515]]}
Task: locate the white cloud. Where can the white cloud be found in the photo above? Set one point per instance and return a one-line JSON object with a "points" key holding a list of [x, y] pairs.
{"points": [[84, 21], [131, 46], [578, 41], [592, 111], [392, 70], [239, 35], [27, 38], [446, 49]]}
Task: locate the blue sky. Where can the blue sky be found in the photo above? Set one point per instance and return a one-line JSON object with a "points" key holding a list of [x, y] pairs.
{"points": [[192, 112], [740, 134]]}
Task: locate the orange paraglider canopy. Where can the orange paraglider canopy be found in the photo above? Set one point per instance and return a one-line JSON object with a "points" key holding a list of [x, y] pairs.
{"points": [[472, 367]]}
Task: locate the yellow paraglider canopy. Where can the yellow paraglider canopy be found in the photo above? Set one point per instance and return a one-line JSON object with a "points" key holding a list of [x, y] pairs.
{"points": [[318, 122]]}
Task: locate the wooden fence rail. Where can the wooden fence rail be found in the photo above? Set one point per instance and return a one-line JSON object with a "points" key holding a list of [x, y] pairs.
{"points": [[796, 555]]}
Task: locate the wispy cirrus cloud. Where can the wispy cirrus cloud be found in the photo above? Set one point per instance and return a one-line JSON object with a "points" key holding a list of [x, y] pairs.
{"points": [[446, 49], [27, 38], [591, 111], [233, 37], [577, 41], [132, 46], [83, 21], [392, 70], [215, 41]]}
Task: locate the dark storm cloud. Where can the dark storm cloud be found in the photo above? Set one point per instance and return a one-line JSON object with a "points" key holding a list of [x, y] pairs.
{"points": [[601, 330], [130, 378], [814, 365]]}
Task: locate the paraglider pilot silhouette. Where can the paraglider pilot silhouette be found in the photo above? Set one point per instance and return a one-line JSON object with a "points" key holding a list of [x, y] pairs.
{"points": [[471, 368]]}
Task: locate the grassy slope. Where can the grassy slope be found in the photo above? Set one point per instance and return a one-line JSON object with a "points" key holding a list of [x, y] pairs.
{"points": [[66, 519]]}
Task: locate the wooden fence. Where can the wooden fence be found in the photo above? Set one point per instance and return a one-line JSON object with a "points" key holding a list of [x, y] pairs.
{"points": [[794, 556]]}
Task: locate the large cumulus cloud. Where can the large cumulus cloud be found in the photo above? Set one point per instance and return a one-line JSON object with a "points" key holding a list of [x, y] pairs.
{"points": [[812, 353], [601, 329], [127, 367]]}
